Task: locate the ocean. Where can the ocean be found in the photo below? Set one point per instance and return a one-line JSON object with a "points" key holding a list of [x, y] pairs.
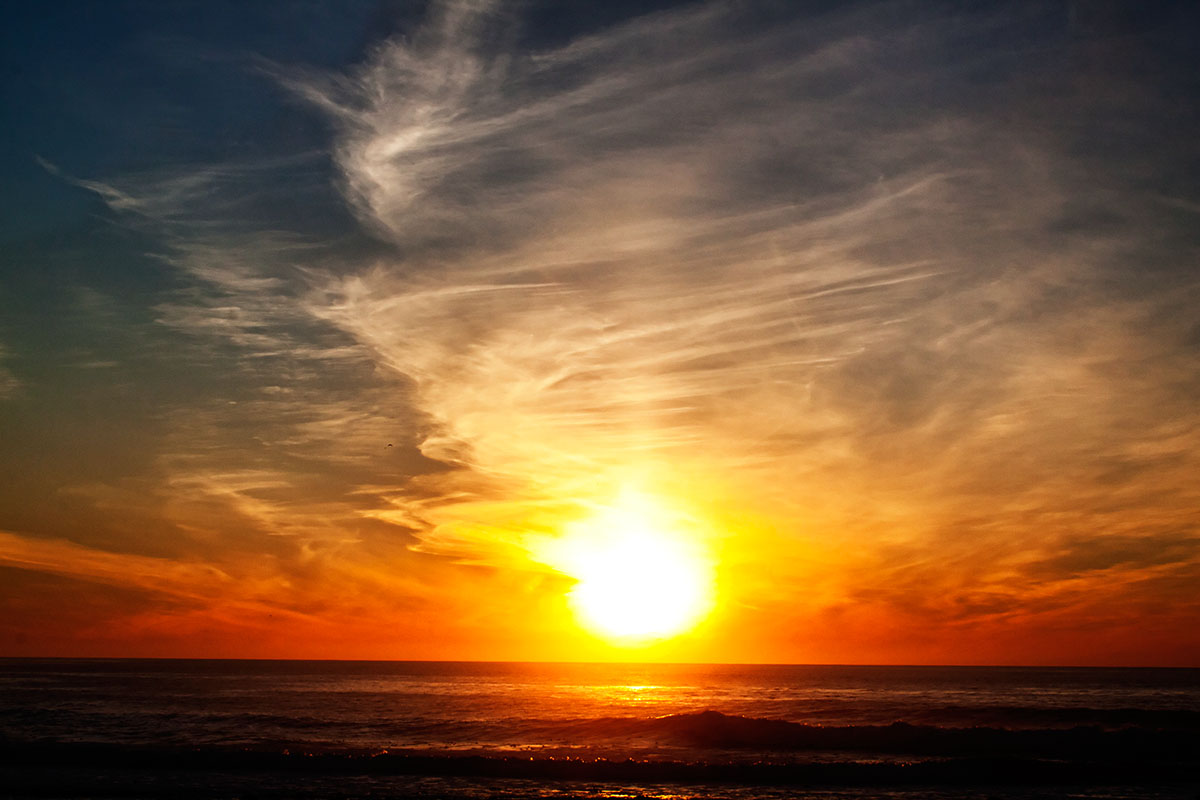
{"points": [[81, 728]]}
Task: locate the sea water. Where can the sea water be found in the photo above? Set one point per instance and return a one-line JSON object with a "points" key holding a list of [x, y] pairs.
{"points": [[82, 728]]}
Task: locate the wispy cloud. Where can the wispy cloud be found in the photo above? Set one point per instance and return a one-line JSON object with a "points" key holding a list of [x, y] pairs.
{"points": [[698, 242], [859, 275]]}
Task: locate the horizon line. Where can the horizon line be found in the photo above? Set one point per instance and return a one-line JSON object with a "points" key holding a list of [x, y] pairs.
{"points": [[588, 663]]}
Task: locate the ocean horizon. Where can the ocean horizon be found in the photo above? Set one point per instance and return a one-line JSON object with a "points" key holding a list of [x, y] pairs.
{"points": [[282, 728]]}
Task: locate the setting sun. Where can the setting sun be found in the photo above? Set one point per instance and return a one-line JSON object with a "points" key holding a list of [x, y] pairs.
{"points": [[641, 578]]}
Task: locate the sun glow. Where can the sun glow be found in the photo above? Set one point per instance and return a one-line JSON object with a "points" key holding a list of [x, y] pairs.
{"points": [[641, 578]]}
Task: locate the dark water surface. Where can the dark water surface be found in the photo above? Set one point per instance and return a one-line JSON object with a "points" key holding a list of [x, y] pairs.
{"points": [[84, 728]]}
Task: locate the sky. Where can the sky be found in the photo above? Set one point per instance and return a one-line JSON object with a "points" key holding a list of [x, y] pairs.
{"points": [[328, 329]]}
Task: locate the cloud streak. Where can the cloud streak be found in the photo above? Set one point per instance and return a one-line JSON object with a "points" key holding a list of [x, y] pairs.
{"points": [[858, 288], [741, 247]]}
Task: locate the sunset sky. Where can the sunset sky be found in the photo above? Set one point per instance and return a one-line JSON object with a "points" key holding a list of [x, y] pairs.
{"points": [[344, 329]]}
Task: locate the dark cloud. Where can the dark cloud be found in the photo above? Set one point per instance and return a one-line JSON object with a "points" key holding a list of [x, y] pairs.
{"points": [[1080, 555]]}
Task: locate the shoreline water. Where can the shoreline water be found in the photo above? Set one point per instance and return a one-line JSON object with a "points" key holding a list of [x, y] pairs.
{"points": [[955, 770], [453, 729]]}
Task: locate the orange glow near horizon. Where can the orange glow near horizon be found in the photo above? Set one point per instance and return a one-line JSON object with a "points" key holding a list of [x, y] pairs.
{"points": [[720, 333]]}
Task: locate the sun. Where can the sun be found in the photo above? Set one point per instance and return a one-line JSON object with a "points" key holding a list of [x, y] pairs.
{"points": [[640, 585], [640, 577]]}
